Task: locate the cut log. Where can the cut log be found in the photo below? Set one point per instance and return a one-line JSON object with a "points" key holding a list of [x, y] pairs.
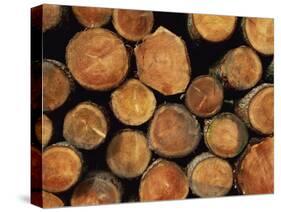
{"points": [[46, 200], [92, 16], [61, 167], [259, 33], [225, 135], [212, 28], [269, 73], [97, 59], [57, 84], [209, 176], [98, 188], [128, 154], [256, 109], [173, 132], [204, 96], [133, 25], [163, 180], [85, 126], [44, 130], [255, 174], [133, 103], [163, 62], [36, 168], [239, 69]]}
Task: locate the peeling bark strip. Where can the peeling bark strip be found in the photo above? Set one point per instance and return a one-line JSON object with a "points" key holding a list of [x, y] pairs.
{"points": [[133, 103], [133, 25], [97, 59], [256, 109], [259, 33], [46, 200], [269, 74], [61, 167], [44, 130], [85, 126], [212, 28], [240, 69], [128, 154], [57, 84], [204, 96], [163, 180], [36, 168], [163, 62], [225, 135], [98, 188], [173, 132], [255, 173], [92, 16], [209, 176]]}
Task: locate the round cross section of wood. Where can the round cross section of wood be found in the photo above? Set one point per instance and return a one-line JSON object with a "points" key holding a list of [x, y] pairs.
{"points": [[46, 200], [128, 154], [85, 126], [97, 59], [51, 16], [36, 168], [56, 85], [163, 180], [255, 173], [44, 129], [92, 16], [259, 33], [102, 188], [213, 28], [61, 167], [204, 96], [133, 103], [209, 176], [173, 132], [163, 62], [225, 135], [133, 25]]}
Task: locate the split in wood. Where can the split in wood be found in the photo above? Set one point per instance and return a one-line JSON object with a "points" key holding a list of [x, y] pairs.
{"points": [[44, 130], [46, 200], [163, 62]]}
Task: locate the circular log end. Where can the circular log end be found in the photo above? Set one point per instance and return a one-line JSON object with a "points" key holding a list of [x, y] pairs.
{"points": [[214, 28], [133, 103], [128, 154], [173, 132], [204, 96], [92, 16], [163, 62], [163, 180], [46, 200], [61, 168], [226, 135], [255, 174], [44, 129], [85, 126], [97, 59], [51, 16], [133, 25], [36, 168], [260, 34]]}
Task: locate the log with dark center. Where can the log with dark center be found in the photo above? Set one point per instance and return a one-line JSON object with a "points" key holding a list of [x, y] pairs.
{"points": [[96, 189], [256, 109], [255, 174], [173, 132], [92, 16], [225, 135], [133, 103], [133, 25], [85, 126], [259, 33], [36, 168], [204, 96], [46, 200], [57, 85], [163, 62], [239, 69], [128, 154], [61, 167], [163, 180], [44, 129], [209, 176], [97, 59], [212, 28]]}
